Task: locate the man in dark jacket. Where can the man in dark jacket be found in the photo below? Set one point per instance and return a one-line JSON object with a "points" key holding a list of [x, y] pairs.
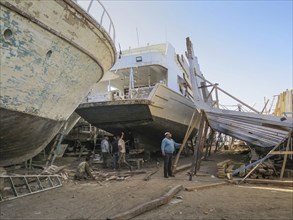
{"points": [[115, 152]]}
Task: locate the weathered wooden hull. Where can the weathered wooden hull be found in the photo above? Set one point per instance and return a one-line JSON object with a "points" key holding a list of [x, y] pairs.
{"points": [[147, 120], [52, 52], [24, 135]]}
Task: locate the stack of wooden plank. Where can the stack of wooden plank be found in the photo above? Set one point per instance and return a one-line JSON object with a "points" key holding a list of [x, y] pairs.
{"points": [[222, 166], [227, 167]]}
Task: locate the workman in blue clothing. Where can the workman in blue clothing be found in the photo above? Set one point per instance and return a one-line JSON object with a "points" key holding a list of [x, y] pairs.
{"points": [[168, 146]]}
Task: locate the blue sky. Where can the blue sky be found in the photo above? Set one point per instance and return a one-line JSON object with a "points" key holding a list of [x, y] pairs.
{"points": [[245, 46]]}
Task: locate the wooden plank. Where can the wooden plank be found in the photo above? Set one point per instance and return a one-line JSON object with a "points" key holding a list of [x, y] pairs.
{"points": [[148, 176], [148, 205], [282, 152], [266, 181], [224, 163], [193, 188], [181, 168]]}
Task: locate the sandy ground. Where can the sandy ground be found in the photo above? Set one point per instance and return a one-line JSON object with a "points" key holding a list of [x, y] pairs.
{"points": [[90, 200]]}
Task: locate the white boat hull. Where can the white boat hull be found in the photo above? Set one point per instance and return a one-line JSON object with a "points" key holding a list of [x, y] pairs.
{"points": [[147, 119]]}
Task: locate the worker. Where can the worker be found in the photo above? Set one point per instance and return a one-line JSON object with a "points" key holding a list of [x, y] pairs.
{"points": [[115, 152], [122, 152], [105, 149], [168, 146], [83, 170]]}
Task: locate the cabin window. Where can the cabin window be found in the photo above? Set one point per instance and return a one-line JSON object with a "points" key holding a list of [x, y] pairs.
{"points": [[138, 59]]}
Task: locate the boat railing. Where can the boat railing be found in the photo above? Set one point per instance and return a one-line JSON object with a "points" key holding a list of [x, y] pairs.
{"points": [[136, 93], [100, 14], [139, 93]]}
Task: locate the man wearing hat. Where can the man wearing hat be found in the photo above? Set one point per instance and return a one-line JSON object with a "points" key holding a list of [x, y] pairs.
{"points": [[168, 146]]}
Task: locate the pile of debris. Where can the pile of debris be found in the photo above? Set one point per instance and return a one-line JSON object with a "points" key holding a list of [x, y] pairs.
{"points": [[226, 168], [103, 176]]}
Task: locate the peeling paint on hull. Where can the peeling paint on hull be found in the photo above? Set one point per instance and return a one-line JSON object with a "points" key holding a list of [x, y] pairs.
{"points": [[51, 55]]}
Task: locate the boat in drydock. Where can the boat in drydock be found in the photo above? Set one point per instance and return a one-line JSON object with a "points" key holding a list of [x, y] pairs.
{"points": [[150, 92], [52, 52]]}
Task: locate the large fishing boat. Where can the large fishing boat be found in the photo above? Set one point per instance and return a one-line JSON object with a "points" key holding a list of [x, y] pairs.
{"points": [[150, 92], [52, 52]]}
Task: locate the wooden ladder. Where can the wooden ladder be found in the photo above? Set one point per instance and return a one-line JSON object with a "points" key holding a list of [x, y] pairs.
{"points": [[13, 187]]}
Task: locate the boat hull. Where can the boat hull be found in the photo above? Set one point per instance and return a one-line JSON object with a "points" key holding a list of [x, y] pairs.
{"points": [[146, 120], [24, 135], [51, 55]]}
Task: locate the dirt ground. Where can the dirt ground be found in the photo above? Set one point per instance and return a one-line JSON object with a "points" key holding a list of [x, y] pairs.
{"points": [[91, 200]]}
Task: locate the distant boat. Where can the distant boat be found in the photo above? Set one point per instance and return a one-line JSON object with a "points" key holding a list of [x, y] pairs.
{"points": [[52, 52], [149, 93]]}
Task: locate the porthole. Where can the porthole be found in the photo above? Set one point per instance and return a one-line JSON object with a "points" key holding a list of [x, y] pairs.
{"points": [[49, 53], [7, 34]]}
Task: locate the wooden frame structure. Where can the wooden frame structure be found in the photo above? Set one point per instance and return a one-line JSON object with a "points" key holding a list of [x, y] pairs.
{"points": [[251, 127], [274, 152]]}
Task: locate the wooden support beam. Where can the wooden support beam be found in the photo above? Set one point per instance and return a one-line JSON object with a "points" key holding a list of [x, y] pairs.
{"points": [[202, 144], [147, 206], [217, 143], [211, 144], [196, 147], [285, 156], [217, 96], [262, 111], [206, 99], [192, 125], [218, 88]]}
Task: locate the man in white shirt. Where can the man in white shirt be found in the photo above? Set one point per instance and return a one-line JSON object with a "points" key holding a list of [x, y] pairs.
{"points": [[122, 152]]}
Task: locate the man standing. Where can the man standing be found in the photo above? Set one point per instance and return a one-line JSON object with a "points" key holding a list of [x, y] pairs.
{"points": [[168, 146], [105, 149], [115, 151], [122, 151]]}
